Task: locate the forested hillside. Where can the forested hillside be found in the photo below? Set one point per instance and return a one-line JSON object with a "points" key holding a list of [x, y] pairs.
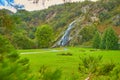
{"points": [[21, 27], [70, 41]]}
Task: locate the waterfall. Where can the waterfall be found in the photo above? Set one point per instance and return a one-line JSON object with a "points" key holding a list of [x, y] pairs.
{"points": [[66, 37]]}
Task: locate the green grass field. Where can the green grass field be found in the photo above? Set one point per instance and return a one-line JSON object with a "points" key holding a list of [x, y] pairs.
{"points": [[68, 64]]}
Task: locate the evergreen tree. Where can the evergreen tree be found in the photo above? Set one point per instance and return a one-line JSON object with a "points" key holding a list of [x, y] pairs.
{"points": [[11, 67], [96, 40], [44, 36], [109, 39]]}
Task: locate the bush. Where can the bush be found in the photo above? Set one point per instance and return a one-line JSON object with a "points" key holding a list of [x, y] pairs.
{"points": [[92, 68], [20, 41], [46, 74]]}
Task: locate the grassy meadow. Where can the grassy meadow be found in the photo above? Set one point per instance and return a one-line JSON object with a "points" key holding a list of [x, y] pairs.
{"points": [[54, 59]]}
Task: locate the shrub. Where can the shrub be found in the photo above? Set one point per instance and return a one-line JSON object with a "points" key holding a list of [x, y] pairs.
{"points": [[20, 41], [92, 68], [47, 74]]}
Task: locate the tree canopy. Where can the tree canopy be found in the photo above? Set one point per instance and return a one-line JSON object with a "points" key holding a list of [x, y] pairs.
{"points": [[109, 39], [44, 36]]}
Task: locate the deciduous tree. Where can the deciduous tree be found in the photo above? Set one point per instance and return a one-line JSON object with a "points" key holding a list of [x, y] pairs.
{"points": [[44, 36]]}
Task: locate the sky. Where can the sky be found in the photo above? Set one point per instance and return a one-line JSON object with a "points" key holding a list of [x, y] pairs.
{"points": [[30, 6]]}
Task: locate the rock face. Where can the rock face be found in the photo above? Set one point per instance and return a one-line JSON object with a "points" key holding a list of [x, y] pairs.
{"points": [[10, 5]]}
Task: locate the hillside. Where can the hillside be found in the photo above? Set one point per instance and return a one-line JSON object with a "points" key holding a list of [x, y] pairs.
{"points": [[89, 15]]}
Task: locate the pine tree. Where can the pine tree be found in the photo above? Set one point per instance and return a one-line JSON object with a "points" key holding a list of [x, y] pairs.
{"points": [[109, 39], [11, 66], [96, 40]]}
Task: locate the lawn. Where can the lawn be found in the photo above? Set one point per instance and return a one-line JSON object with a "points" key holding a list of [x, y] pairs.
{"points": [[67, 63]]}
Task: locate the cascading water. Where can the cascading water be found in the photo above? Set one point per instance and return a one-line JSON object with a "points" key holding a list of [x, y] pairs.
{"points": [[65, 38]]}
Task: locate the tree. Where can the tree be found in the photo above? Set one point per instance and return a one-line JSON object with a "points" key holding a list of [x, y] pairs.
{"points": [[5, 47], [96, 40], [6, 20], [11, 66], [21, 41], [87, 33], [6, 23], [109, 39], [44, 36]]}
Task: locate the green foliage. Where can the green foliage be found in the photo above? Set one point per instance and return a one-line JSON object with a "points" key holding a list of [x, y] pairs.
{"points": [[116, 73], [89, 64], [109, 39], [87, 33], [106, 68], [92, 68], [5, 45], [20, 41], [60, 23], [46, 74], [59, 17], [6, 20], [44, 36], [7, 50], [96, 40], [110, 4], [69, 64], [14, 70], [104, 16], [11, 67]]}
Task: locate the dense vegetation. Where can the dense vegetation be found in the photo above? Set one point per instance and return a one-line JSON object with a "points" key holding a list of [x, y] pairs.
{"points": [[11, 67], [97, 25], [98, 15], [44, 35], [97, 40], [109, 40]]}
